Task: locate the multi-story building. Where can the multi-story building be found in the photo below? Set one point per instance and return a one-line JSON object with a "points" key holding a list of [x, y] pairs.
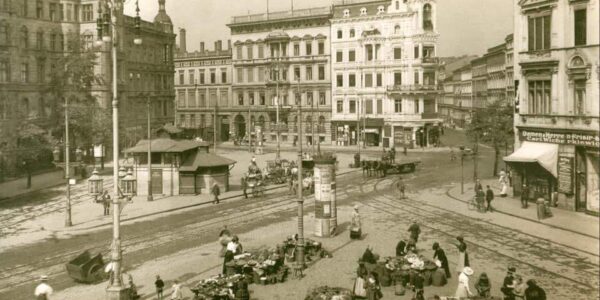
{"points": [[509, 67], [556, 48], [281, 60], [34, 33], [479, 83], [495, 62], [449, 104], [385, 70], [463, 96], [203, 88]]}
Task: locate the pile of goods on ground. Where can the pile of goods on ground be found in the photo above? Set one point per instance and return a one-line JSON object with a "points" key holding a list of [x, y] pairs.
{"points": [[217, 287], [329, 293]]}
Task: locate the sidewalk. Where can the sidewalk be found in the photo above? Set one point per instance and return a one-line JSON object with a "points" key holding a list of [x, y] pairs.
{"points": [[17, 187], [38, 221], [571, 221]]}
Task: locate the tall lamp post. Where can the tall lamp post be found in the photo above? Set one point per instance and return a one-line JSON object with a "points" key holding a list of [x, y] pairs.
{"points": [[462, 173], [149, 198], [68, 222], [107, 29], [300, 242]]}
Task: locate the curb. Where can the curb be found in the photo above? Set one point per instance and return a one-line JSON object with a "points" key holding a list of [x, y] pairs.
{"points": [[527, 219], [231, 197]]}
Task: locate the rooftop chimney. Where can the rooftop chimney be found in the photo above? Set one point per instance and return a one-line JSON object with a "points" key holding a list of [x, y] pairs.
{"points": [[201, 47], [182, 41]]}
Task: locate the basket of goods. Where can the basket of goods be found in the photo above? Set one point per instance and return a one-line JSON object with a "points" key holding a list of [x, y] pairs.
{"points": [[329, 293]]}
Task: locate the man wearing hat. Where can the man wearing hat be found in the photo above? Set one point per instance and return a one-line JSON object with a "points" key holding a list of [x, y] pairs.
{"points": [[463, 291], [43, 290], [355, 226], [508, 284]]}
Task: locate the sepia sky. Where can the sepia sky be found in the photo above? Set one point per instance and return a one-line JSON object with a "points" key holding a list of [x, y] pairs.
{"points": [[465, 26]]}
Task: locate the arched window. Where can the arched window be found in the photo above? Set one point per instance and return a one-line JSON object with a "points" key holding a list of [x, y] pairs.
{"points": [[427, 22], [363, 11], [261, 121], [397, 29], [352, 33], [346, 13], [380, 9], [4, 36], [24, 37]]}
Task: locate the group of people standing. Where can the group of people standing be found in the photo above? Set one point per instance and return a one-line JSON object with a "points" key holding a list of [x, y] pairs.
{"points": [[480, 196]]}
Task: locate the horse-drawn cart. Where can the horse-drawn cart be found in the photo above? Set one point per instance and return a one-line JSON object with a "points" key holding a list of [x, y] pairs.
{"points": [[86, 268], [256, 184], [276, 172]]}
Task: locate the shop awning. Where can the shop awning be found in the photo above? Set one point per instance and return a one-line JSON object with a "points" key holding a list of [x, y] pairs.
{"points": [[546, 155]]}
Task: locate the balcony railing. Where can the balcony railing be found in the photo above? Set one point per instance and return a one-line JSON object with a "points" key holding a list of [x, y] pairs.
{"points": [[414, 88], [430, 60]]}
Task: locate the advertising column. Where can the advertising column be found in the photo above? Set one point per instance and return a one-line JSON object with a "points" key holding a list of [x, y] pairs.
{"points": [[325, 205]]}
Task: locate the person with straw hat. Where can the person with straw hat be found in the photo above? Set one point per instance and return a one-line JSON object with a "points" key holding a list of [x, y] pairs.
{"points": [[43, 290], [463, 291]]}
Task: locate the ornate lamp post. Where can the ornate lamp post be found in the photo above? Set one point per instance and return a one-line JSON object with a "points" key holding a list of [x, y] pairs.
{"points": [[109, 12], [95, 184], [300, 242]]}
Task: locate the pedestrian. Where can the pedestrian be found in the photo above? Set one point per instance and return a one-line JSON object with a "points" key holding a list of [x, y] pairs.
{"points": [[440, 255], [439, 278], [483, 286], [402, 188], [235, 246], [519, 288], [489, 196], [533, 291], [355, 225], [215, 191], [229, 256], [106, 202], [463, 255], [43, 290], [401, 248], [414, 230], [418, 284], [176, 293], [405, 151], [133, 293], [463, 290], [373, 287], [508, 284], [359, 290], [393, 154], [478, 185], [480, 199], [244, 184], [160, 285], [524, 196]]}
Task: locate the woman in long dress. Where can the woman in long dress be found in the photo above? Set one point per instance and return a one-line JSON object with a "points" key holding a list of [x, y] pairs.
{"points": [[463, 291], [463, 256]]}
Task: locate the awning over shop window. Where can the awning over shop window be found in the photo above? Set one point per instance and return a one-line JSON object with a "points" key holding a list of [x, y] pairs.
{"points": [[546, 155]]}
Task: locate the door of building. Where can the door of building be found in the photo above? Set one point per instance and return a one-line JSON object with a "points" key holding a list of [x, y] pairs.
{"points": [[156, 176], [187, 183], [224, 132], [580, 191]]}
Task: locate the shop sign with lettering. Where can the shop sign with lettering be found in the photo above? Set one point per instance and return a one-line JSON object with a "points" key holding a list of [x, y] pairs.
{"points": [[565, 138]]}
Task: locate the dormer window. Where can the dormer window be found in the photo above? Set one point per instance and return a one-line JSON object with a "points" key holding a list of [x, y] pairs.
{"points": [[363, 11], [346, 13], [380, 10]]}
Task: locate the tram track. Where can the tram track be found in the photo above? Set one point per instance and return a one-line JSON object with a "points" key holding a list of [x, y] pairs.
{"points": [[21, 274], [419, 212]]}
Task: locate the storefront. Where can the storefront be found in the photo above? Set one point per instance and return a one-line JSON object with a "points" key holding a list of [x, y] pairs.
{"points": [[565, 161], [344, 133]]}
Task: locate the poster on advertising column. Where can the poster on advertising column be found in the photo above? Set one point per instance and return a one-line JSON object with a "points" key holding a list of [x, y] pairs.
{"points": [[565, 175]]}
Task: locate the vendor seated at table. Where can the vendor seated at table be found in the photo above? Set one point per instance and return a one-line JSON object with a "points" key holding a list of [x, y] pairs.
{"points": [[234, 246]]}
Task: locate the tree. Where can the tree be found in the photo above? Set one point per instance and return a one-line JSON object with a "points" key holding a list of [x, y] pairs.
{"points": [[493, 125], [72, 79]]}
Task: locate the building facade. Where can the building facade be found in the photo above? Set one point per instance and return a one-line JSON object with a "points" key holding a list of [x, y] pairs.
{"points": [[203, 88], [556, 50], [384, 70], [281, 60], [34, 33]]}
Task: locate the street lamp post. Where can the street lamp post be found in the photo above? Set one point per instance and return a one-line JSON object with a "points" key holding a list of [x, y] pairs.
{"points": [[107, 29], [149, 198], [68, 222], [300, 242], [462, 173], [278, 153], [475, 157]]}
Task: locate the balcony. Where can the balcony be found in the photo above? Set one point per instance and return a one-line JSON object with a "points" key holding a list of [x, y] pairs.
{"points": [[415, 89], [430, 60], [429, 115], [297, 13]]}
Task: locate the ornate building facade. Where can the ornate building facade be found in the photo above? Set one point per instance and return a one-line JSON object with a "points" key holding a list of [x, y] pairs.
{"points": [[556, 64], [385, 73], [282, 59], [33, 33], [203, 88]]}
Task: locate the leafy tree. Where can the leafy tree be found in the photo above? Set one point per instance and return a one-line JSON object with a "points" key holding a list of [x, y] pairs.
{"points": [[72, 79], [493, 125]]}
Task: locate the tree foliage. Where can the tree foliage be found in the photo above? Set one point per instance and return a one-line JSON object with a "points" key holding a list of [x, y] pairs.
{"points": [[493, 125]]}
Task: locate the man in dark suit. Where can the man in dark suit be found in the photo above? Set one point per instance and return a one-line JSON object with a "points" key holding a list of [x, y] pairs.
{"points": [[489, 196]]}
